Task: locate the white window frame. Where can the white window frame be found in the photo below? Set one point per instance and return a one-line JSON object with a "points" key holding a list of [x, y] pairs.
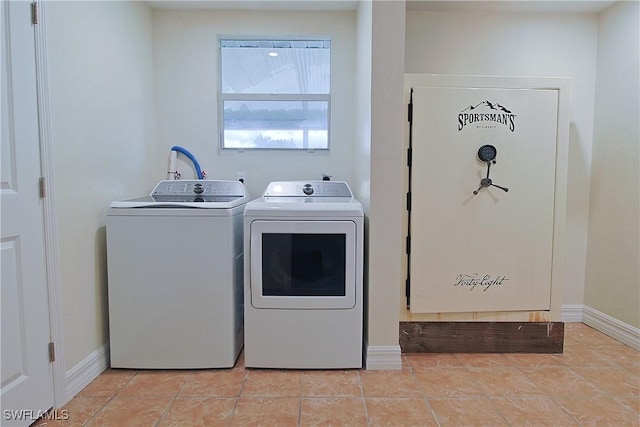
{"points": [[222, 97]]}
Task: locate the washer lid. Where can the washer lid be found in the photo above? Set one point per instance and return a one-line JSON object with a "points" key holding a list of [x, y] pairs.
{"points": [[203, 194]]}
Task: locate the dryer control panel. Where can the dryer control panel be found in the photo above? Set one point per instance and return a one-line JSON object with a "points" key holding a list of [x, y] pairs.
{"points": [[308, 189]]}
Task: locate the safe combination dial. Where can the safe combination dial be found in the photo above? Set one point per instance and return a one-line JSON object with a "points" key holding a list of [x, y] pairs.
{"points": [[487, 153]]}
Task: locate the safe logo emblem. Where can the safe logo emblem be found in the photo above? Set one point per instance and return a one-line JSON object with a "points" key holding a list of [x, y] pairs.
{"points": [[486, 115]]}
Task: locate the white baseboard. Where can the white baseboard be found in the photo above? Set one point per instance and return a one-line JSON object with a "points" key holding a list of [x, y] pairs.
{"points": [[384, 358], [572, 313], [616, 329], [87, 370]]}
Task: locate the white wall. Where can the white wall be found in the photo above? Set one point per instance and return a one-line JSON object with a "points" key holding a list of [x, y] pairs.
{"points": [[538, 45], [102, 123], [186, 65], [362, 137], [361, 185], [386, 210], [612, 275]]}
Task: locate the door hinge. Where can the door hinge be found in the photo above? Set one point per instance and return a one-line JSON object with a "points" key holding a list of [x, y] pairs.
{"points": [[52, 352], [34, 13], [43, 187], [407, 292]]}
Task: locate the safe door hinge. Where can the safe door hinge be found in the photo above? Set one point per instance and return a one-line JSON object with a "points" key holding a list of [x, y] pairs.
{"points": [[42, 187], [409, 167], [52, 352], [410, 107], [34, 13], [407, 291]]}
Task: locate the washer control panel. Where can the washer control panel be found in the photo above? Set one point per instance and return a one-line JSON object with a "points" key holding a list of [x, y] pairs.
{"points": [[199, 187], [308, 189]]}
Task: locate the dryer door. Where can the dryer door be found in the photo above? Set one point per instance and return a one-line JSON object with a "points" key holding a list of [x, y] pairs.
{"points": [[303, 264]]}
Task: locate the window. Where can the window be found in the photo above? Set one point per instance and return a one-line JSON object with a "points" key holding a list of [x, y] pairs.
{"points": [[275, 94]]}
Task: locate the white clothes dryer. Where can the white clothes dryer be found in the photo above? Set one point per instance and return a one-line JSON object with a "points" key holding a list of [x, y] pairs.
{"points": [[175, 276], [304, 277]]}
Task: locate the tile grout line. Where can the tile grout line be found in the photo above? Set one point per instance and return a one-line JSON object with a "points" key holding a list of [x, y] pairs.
{"points": [[173, 399], [364, 401], [97, 411], [486, 396], [563, 364], [571, 368], [300, 398], [424, 395], [547, 395], [244, 381], [604, 393], [110, 398]]}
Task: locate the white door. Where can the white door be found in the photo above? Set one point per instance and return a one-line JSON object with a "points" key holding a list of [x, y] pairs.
{"points": [[27, 378], [490, 251]]}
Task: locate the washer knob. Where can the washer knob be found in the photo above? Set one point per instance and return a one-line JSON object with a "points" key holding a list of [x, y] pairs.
{"points": [[307, 189], [198, 189]]}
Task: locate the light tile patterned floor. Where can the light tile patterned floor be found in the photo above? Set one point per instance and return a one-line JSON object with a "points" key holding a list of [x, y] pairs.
{"points": [[594, 383]]}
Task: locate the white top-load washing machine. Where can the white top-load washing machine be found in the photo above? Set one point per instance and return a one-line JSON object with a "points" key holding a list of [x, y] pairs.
{"points": [[303, 277], [175, 276]]}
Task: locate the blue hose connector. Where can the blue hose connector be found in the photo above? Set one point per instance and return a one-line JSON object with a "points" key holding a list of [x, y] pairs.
{"points": [[191, 157]]}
